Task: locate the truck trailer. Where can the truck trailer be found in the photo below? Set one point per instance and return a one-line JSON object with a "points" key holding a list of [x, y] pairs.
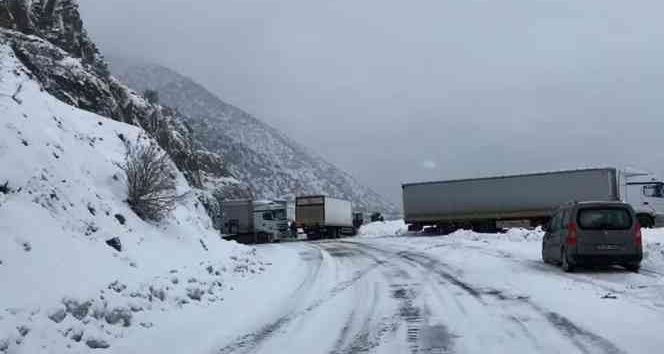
{"points": [[527, 200], [324, 217], [256, 221]]}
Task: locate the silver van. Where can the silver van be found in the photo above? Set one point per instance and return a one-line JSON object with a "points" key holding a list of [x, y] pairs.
{"points": [[593, 233]]}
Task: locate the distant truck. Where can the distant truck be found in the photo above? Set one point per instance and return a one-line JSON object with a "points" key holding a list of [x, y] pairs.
{"points": [[358, 220], [377, 217], [490, 204], [256, 221], [324, 217]]}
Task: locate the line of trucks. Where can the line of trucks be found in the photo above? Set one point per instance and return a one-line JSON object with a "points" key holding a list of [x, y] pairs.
{"points": [[482, 204], [310, 217]]}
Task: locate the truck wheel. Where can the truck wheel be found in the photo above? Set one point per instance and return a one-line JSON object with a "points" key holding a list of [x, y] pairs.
{"points": [[565, 264], [646, 221]]}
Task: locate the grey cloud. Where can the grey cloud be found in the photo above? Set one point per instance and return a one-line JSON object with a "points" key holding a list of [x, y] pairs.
{"points": [[379, 86]]}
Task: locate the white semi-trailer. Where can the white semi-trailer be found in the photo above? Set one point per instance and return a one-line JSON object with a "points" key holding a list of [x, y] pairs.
{"points": [[487, 204], [324, 217]]}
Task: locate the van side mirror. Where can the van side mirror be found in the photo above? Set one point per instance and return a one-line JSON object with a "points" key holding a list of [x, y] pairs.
{"points": [[545, 227]]}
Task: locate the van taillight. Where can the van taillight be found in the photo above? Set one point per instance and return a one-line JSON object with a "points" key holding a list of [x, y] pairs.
{"points": [[571, 234], [638, 237]]}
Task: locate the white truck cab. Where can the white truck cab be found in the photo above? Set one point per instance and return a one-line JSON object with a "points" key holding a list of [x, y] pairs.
{"points": [[645, 193], [271, 219]]}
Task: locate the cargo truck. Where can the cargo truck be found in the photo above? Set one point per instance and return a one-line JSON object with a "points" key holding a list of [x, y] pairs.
{"points": [[324, 217], [527, 200], [256, 221]]}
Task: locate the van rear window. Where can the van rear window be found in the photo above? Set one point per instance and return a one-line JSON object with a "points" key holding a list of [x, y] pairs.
{"points": [[604, 219]]}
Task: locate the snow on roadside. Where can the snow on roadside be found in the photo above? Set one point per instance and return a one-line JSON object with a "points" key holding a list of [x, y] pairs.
{"points": [[653, 249], [383, 228], [514, 235], [653, 240], [63, 288], [653, 243]]}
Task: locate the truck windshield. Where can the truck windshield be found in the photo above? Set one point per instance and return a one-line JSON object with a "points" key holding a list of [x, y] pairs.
{"points": [[654, 191], [604, 219], [279, 214]]}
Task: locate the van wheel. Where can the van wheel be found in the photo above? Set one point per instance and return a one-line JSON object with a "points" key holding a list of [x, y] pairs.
{"points": [[646, 221], [544, 259], [633, 267], [564, 261]]}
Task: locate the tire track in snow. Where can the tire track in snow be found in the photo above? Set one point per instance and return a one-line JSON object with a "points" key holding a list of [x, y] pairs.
{"points": [[585, 340], [581, 337], [421, 337], [549, 269], [250, 342], [370, 333]]}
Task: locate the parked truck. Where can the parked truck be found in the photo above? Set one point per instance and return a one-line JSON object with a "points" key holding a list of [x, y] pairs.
{"points": [[527, 200], [256, 221], [324, 217]]}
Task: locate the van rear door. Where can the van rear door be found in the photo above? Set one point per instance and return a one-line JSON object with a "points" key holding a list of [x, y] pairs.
{"points": [[605, 230]]}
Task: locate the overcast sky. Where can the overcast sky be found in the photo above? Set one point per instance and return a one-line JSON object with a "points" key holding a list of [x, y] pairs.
{"points": [[398, 91]]}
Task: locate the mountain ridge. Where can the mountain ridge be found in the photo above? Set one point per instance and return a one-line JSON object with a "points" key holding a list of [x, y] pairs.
{"points": [[274, 165]]}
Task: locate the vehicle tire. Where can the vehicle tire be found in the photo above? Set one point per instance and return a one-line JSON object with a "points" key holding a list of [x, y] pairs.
{"points": [[566, 266], [646, 221], [633, 267], [544, 259]]}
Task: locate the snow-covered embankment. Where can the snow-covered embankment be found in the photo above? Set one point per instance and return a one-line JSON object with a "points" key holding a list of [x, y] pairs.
{"points": [[61, 198]]}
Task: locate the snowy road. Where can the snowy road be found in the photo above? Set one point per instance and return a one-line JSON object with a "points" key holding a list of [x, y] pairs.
{"points": [[435, 295]]}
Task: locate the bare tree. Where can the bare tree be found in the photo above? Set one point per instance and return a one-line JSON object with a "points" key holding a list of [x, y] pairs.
{"points": [[150, 180]]}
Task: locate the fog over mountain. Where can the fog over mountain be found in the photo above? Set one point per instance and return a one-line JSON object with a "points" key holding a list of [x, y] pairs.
{"points": [[270, 163], [393, 91]]}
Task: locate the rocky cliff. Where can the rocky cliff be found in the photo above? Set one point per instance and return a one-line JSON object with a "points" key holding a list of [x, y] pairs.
{"points": [[48, 37], [271, 163]]}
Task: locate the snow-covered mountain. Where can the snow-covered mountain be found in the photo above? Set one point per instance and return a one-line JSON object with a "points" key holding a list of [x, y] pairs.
{"points": [[271, 163], [49, 39], [79, 271]]}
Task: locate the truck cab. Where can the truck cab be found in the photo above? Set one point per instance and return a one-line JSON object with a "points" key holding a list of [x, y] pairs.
{"points": [[270, 220], [645, 193]]}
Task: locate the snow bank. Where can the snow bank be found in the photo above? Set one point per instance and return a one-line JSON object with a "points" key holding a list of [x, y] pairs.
{"points": [[653, 242], [383, 228], [63, 289], [514, 235], [653, 250]]}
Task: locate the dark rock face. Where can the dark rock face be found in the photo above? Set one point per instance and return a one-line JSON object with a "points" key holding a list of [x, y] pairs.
{"points": [[77, 84], [96, 343], [57, 21], [58, 316], [120, 218], [115, 243], [49, 38]]}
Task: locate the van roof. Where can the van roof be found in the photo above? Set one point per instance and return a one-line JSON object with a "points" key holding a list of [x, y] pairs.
{"points": [[599, 203]]}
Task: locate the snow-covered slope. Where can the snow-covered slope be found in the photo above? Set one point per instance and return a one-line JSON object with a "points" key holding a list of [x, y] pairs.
{"points": [[49, 38], [62, 288], [271, 163]]}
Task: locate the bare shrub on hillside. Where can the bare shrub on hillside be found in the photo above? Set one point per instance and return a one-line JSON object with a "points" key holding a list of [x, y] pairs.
{"points": [[150, 179]]}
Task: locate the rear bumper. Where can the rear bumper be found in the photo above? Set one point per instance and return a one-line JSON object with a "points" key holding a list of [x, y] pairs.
{"points": [[585, 259]]}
